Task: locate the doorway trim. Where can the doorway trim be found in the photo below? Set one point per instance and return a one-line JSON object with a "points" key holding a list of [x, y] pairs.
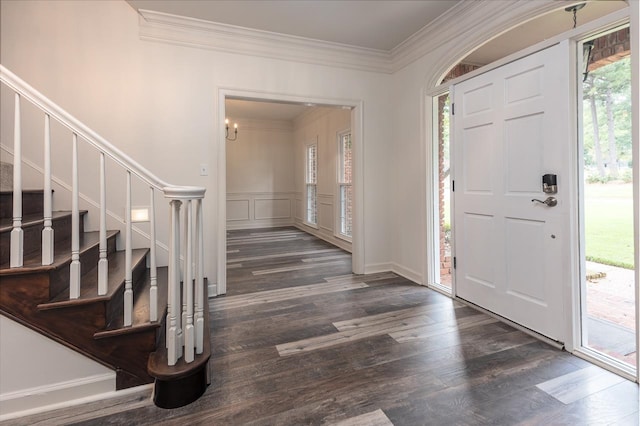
{"points": [[433, 89], [356, 107]]}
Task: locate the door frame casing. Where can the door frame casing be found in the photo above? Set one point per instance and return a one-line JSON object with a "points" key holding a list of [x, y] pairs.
{"points": [[571, 294], [357, 127]]}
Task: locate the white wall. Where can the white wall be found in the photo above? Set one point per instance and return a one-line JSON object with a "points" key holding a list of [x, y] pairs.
{"points": [[260, 174], [55, 373], [321, 126], [158, 102]]}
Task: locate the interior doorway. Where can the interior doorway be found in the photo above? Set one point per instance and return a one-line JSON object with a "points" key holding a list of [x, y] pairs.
{"points": [[263, 175], [608, 300]]}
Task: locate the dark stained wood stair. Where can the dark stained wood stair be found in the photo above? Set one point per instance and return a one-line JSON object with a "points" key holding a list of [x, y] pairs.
{"points": [[37, 296]]}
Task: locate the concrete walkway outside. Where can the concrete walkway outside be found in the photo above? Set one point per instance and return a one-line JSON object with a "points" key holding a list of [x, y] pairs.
{"points": [[611, 311]]}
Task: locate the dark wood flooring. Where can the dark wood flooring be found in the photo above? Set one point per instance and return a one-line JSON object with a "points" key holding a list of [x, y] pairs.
{"points": [[300, 340]]}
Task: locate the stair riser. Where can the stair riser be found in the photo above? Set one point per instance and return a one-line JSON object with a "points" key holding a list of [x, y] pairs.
{"points": [[115, 307], [32, 240], [88, 260], [32, 203]]}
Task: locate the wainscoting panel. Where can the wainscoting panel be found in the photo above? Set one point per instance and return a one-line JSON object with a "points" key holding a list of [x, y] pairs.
{"points": [[299, 206], [325, 212], [259, 209], [272, 208], [237, 210]]}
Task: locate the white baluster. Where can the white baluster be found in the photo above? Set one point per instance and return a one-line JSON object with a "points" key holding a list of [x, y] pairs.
{"points": [[184, 271], [170, 277], [128, 284], [199, 285], [47, 232], [153, 270], [74, 268], [17, 235], [189, 332], [174, 347], [178, 278], [103, 263]]}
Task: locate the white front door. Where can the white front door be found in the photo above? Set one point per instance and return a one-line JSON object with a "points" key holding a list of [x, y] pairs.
{"points": [[511, 126]]}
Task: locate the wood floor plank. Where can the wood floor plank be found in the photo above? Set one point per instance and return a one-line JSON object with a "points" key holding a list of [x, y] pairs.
{"points": [[441, 328], [580, 384], [325, 258], [277, 255], [421, 311], [297, 267], [270, 296], [374, 418], [350, 335]]}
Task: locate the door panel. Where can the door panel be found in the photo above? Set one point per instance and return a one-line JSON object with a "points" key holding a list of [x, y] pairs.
{"points": [[513, 128]]}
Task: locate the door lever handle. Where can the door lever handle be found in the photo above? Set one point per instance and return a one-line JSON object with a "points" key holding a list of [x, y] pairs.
{"points": [[550, 201]]}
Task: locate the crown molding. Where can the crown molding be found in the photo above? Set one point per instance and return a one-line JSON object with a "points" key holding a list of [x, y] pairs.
{"points": [[466, 31], [459, 23], [191, 32]]}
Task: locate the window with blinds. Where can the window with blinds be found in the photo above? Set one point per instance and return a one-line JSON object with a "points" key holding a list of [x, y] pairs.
{"points": [[345, 191], [311, 181]]}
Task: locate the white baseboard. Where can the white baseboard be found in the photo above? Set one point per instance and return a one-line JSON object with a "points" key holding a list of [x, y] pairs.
{"points": [[407, 273], [338, 242], [231, 226], [404, 272], [44, 398], [375, 268], [212, 290]]}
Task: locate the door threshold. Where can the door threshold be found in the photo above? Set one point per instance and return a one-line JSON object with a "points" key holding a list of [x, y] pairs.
{"points": [[556, 344], [609, 364]]}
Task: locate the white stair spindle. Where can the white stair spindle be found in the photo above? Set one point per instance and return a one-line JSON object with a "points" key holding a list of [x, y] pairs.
{"points": [[103, 263], [199, 285], [189, 332], [178, 271], [47, 231], [17, 234], [174, 347], [153, 270], [128, 282], [74, 268], [184, 270], [171, 312]]}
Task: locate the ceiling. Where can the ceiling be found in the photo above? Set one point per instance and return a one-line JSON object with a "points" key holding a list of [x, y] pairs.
{"points": [[377, 24], [236, 108]]}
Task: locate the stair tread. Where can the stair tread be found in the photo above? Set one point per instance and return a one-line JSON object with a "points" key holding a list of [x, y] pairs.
{"points": [[89, 281], [24, 191], [140, 318], [33, 262], [6, 224]]}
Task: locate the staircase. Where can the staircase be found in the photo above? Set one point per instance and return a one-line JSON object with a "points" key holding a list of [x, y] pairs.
{"points": [[37, 296], [145, 321]]}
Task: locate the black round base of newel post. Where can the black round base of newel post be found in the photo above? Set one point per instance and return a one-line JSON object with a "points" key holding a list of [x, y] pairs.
{"points": [[180, 392]]}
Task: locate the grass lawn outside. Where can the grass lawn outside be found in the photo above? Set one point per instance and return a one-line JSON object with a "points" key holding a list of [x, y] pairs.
{"points": [[609, 224]]}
